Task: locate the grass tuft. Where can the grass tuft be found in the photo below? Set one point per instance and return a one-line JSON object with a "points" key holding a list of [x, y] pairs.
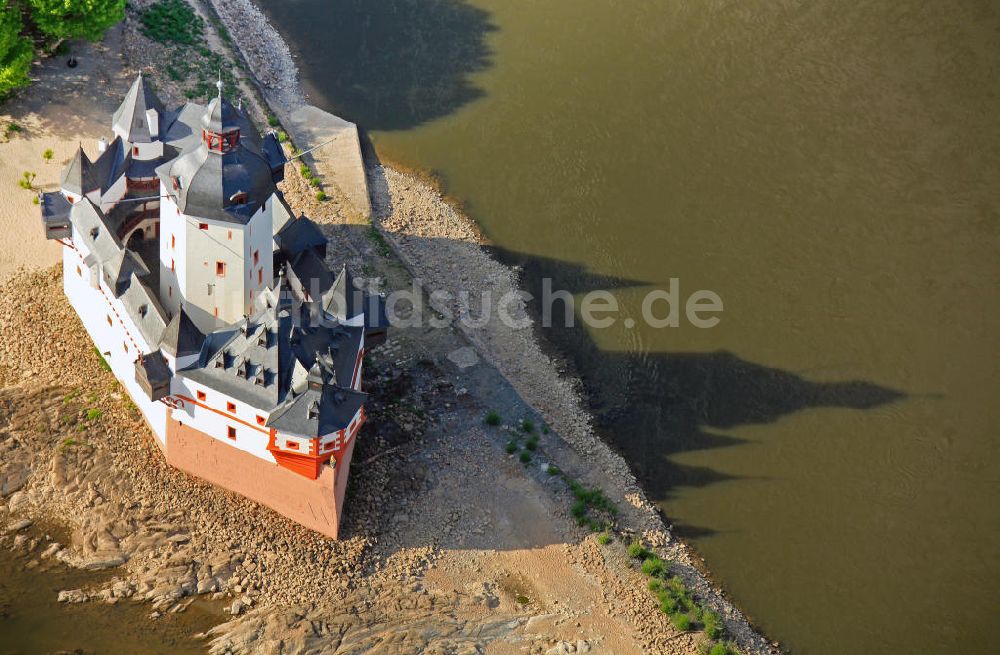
{"points": [[492, 418]]}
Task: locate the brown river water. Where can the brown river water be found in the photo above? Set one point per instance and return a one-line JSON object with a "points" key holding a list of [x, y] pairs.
{"points": [[832, 171]]}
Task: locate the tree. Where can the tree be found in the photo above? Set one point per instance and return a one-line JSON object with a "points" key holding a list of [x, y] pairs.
{"points": [[16, 51], [74, 19]]}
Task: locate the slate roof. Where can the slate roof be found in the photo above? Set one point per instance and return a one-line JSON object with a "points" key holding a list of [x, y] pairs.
{"points": [[210, 181], [131, 117], [317, 411], [81, 176], [300, 234], [182, 337]]}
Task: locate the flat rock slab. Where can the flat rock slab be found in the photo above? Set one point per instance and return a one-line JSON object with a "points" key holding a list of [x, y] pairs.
{"points": [[339, 161], [464, 357]]}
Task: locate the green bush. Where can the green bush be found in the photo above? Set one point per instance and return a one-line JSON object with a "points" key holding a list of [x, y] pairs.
{"points": [[27, 180], [553, 470], [654, 585], [681, 621], [637, 550], [94, 414], [172, 20], [511, 447], [314, 181], [321, 196], [48, 154], [273, 121], [712, 623], [604, 538], [305, 171], [653, 566], [527, 426], [531, 444], [492, 418], [721, 649], [525, 456]]}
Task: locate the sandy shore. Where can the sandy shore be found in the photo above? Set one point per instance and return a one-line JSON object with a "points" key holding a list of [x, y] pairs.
{"points": [[451, 545]]}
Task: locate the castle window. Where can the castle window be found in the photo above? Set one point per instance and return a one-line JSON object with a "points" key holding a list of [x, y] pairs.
{"points": [[231, 408], [201, 395], [231, 432], [261, 420], [220, 269], [260, 276], [202, 226], [230, 235], [135, 150], [79, 272], [238, 198], [256, 257], [110, 322], [291, 445], [173, 241], [172, 267], [170, 292]]}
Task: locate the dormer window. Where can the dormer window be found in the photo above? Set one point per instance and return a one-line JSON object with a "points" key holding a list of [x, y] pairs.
{"points": [[313, 410], [239, 198]]}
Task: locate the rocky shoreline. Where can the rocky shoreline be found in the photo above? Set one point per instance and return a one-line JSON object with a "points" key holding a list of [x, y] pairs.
{"points": [[445, 534]]}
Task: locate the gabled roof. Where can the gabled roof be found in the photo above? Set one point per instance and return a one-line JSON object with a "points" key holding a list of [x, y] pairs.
{"points": [[343, 300], [131, 119], [118, 270], [299, 234], [81, 176], [143, 306], [182, 337]]}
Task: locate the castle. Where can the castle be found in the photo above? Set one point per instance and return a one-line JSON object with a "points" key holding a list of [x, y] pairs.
{"points": [[212, 303]]}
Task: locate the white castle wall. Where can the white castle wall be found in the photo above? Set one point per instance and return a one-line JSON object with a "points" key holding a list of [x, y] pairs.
{"points": [[119, 342], [211, 415]]}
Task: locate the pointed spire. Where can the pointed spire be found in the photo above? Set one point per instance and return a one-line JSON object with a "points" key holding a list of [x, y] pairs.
{"points": [[131, 120]]}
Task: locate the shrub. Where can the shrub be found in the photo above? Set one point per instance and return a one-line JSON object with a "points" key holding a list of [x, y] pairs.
{"points": [[48, 154], [604, 538], [681, 621], [637, 550], [523, 600], [553, 470], [273, 121], [527, 426], [712, 623], [492, 418], [69, 441], [653, 566], [720, 649], [654, 585], [531, 444], [282, 136], [93, 414], [27, 180], [579, 509], [545, 429], [511, 447], [525, 456], [172, 20], [306, 171], [314, 181], [36, 201], [14, 127], [321, 196]]}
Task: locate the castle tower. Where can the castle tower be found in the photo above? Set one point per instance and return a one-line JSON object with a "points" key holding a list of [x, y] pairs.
{"points": [[216, 230]]}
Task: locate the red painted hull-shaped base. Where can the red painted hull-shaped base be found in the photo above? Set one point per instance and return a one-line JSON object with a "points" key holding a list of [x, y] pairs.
{"points": [[316, 504]]}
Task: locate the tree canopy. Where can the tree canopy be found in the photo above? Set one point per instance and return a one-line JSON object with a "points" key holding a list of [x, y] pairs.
{"points": [[75, 19], [16, 51]]}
